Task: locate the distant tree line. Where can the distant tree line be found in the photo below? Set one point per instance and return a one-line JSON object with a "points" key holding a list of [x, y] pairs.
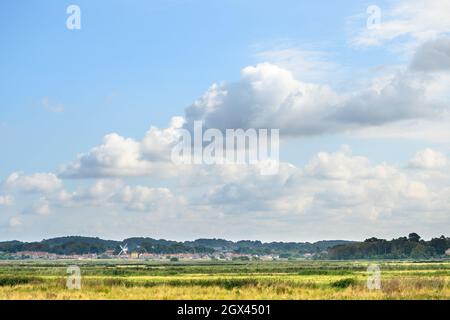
{"points": [[83, 245], [402, 248], [411, 247]]}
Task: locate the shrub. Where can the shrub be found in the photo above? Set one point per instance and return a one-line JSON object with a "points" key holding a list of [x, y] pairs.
{"points": [[343, 283], [15, 280]]}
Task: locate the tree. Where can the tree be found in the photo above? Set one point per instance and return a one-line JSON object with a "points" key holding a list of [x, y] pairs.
{"points": [[414, 237], [373, 239], [439, 244]]}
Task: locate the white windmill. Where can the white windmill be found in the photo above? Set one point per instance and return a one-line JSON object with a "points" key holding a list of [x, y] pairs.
{"points": [[123, 250]]}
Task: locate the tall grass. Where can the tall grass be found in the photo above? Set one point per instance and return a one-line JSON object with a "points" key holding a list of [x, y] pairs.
{"points": [[255, 280]]}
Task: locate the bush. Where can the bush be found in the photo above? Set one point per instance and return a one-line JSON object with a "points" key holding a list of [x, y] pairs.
{"points": [[14, 281], [343, 283]]}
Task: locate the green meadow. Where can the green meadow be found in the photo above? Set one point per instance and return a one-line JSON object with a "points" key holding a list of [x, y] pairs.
{"points": [[122, 279]]}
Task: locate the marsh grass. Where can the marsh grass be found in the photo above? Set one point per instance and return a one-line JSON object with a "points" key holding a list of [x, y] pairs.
{"points": [[258, 280]]}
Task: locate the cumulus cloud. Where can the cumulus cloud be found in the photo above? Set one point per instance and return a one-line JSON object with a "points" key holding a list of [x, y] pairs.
{"points": [[37, 182], [268, 96], [332, 189], [341, 181], [429, 159], [329, 186], [401, 97], [113, 193], [242, 189], [340, 165], [142, 198], [116, 156], [338, 186], [119, 156], [100, 193]]}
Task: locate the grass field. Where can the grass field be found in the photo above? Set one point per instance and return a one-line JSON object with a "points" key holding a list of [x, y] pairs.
{"points": [[107, 279]]}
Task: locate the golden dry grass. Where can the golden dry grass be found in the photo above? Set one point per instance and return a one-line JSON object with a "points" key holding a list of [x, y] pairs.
{"points": [[272, 280]]}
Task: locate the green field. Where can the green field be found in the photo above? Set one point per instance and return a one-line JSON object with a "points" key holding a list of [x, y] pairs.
{"points": [[108, 279]]}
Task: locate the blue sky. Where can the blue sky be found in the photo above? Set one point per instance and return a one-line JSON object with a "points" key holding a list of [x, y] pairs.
{"points": [[137, 64]]}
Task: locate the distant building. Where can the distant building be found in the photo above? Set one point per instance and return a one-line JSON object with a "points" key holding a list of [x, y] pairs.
{"points": [[146, 256], [447, 252], [134, 255], [267, 258], [35, 255], [109, 253]]}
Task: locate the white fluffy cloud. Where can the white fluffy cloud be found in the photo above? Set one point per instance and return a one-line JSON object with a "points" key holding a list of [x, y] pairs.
{"points": [[141, 198], [332, 192], [341, 165], [119, 156], [116, 156], [338, 187], [100, 194], [268, 96], [429, 159], [38, 182], [113, 193]]}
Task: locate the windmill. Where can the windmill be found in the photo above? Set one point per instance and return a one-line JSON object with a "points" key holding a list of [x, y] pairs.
{"points": [[123, 250]]}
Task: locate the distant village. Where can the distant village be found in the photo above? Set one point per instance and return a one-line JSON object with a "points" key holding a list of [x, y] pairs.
{"points": [[148, 249], [109, 254]]}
